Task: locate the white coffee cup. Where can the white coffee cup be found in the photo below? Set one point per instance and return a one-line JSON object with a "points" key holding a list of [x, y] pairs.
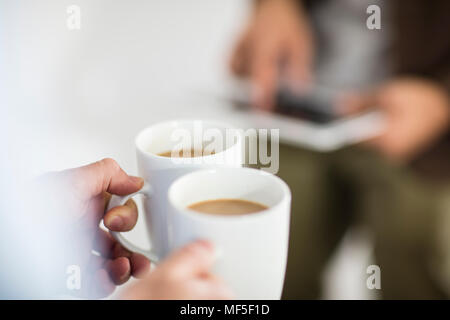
{"points": [[159, 172], [252, 248]]}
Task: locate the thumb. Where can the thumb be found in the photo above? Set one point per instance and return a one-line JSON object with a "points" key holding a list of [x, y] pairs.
{"points": [[351, 102], [105, 176], [194, 259]]}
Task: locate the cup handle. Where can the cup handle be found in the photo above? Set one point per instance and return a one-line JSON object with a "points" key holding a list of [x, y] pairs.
{"points": [[115, 201]]}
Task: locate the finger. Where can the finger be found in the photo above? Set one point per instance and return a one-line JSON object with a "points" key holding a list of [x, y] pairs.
{"points": [[107, 197], [264, 74], [299, 67], [110, 248], [122, 218], [119, 270], [194, 259], [119, 251], [105, 176], [140, 265], [263, 78], [352, 102], [239, 56]]}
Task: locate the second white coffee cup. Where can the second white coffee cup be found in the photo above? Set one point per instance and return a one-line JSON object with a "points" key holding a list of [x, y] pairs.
{"points": [[251, 248]]}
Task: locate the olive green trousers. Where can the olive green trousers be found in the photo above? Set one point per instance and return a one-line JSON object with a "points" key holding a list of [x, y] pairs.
{"points": [[332, 191]]}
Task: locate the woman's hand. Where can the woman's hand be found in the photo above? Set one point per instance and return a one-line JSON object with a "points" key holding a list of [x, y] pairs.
{"points": [[183, 275]]}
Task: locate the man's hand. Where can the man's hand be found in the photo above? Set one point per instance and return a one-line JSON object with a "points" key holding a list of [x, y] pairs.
{"points": [[183, 275], [417, 112], [83, 194], [276, 46]]}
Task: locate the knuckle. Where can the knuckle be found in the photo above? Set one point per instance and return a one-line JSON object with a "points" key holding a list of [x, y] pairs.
{"points": [[109, 163], [191, 250]]}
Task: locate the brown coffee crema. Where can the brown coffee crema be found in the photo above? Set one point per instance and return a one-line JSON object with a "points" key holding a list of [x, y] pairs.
{"points": [[182, 154], [227, 207]]}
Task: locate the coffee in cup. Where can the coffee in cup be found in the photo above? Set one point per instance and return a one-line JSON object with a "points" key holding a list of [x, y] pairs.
{"points": [[227, 207], [251, 247], [184, 153]]}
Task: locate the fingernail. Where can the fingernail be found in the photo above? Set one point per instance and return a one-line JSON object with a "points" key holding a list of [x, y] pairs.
{"points": [[116, 223], [137, 180]]}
